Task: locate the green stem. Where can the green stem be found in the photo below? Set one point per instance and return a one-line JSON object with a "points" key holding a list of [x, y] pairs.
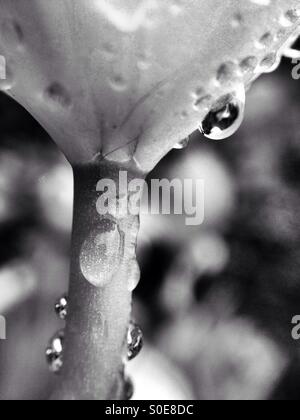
{"points": [[103, 270]]}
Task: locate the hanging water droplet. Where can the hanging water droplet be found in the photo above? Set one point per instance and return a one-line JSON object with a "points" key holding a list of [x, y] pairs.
{"points": [[98, 261], [134, 340], [54, 352], [61, 307], [182, 144], [56, 94], [225, 116]]}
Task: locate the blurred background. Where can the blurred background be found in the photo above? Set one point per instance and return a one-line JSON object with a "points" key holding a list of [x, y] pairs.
{"points": [[215, 302]]}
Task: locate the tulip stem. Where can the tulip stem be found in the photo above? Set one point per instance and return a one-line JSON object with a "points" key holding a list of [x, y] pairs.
{"points": [[103, 262]]}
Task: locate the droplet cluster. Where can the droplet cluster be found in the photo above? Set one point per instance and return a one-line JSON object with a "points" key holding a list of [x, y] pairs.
{"points": [[61, 307], [54, 352]]}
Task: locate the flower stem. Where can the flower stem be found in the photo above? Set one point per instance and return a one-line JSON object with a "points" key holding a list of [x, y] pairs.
{"points": [[103, 271]]}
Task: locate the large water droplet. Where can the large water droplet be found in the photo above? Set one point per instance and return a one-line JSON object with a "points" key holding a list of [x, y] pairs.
{"points": [[118, 83], [134, 340], [100, 254], [54, 352], [225, 116]]}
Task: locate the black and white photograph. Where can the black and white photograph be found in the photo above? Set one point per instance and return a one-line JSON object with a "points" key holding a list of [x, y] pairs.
{"points": [[149, 203]]}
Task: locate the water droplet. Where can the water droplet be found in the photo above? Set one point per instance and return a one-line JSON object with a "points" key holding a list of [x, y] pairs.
{"points": [[128, 388], [134, 340], [197, 93], [203, 102], [58, 95], [289, 18], [108, 50], [182, 144], [237, 20], [118, 83], [293, 15], [184, 115], [54, 352], [225, 116], [61, 307], [266, 40], [12, 33], [270, 63], [133, 274], [100, 254], [249, 64], [143, 64], [227, 72], [143, 60]]}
